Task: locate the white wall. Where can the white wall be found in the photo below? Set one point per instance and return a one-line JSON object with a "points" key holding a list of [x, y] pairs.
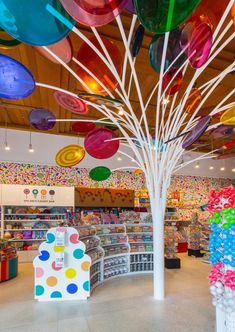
{"points": [[47, 145]]}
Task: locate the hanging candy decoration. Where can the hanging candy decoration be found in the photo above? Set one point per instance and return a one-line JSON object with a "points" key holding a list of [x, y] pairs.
{"points": [[138, 40], [82, 127], [98, 143], [62, 49], [88, 57], [196, 132], [31, 22], [6, 41], [70, 103], [101, 100], [42, 119], [100, 173], [16, 81], [193, 101], [223, 131], [94, 13], [228, 117], [208, 12], [176, 83], [130, 6], [156, 17], [70, 155], [199, 45], [225, 156], [173, 50], [233, 13]]}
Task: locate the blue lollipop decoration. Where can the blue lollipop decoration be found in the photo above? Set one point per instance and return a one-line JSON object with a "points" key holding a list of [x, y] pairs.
{"points": [[16, 81]]}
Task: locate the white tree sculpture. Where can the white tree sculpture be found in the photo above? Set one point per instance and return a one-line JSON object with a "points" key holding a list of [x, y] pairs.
{"points": [[158, 161]]}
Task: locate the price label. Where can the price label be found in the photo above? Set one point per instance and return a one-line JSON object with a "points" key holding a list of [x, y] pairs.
{"points": [[59, 259]]}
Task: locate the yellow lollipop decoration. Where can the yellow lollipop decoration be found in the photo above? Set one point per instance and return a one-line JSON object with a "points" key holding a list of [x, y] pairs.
{"points": [[228, 117], [70, 155]]}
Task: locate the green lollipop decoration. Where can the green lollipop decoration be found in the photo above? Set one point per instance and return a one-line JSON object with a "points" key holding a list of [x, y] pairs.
{"points": [[100, 173], [160, 16]]}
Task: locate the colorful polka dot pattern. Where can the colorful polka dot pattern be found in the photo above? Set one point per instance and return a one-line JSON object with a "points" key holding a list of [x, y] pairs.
{"points": [[62, 283]]}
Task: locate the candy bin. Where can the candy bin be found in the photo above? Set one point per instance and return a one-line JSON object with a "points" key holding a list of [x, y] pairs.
{"points": [[8, 261], [195, 234], [171, 237]]}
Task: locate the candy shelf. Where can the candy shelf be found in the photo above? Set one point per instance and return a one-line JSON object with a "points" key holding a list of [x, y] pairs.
{"points": [[25, 227]]}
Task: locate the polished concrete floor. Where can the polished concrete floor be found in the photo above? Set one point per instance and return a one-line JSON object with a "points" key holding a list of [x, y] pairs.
{"points": [[119, 305]]}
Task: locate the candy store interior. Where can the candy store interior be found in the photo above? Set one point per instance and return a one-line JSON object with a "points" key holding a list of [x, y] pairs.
{"points": [[117, 166]]}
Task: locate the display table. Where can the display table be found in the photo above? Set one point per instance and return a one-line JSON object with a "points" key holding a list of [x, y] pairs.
{"points": [[8, 262]]}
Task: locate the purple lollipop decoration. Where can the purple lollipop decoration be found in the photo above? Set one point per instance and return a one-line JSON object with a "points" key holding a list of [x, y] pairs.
{"points": [[42, 119], [197, 132], [130, 7], [223, 131]]}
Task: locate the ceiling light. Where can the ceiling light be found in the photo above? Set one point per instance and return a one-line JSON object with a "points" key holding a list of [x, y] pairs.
{"points": [[133, 160], [197, 165], [6, 146], [222, 168], [233, 170], [119, 158], [165, 101], [211, 167], [120, 112], [31, 149]]}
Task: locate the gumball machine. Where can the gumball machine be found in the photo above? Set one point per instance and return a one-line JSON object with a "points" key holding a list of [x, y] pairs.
{"points": [[222, 256]]}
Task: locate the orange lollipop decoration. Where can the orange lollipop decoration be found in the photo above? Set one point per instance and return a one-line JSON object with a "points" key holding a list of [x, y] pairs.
{"points": [[88, 57], [233, 13], [193, 101]]}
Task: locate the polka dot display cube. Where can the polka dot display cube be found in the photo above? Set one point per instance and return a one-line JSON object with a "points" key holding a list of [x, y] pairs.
{"points": [[70, 282]]}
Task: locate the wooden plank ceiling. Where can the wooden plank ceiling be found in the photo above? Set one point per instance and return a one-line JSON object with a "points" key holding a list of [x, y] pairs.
{"points": [[47, 72]]}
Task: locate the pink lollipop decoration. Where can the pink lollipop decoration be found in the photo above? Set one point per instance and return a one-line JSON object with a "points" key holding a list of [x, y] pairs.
{"points": [[82, 127], [62, 49], [200, 45], [70, 103], [94, 13], [97, 143]]}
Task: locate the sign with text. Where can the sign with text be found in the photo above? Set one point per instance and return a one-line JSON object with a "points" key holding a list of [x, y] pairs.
{"points": [[37, 195]]}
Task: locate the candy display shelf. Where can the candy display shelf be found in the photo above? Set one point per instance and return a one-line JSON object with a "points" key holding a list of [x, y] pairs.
{"points": [[26, 227]]}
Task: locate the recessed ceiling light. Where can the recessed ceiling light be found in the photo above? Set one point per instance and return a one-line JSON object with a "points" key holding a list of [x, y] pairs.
{"points": [[233, 170], [165, 101], [197, 165], [119, 158], [120, 112], [222, 168], [211, 167]]}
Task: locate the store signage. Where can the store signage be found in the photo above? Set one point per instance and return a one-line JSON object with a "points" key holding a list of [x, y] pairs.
{"points": [[37, 195]]}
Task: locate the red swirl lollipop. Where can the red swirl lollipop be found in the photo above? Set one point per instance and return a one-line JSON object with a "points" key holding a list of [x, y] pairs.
{"points": [[97, 143], [197, 132], [70, 103], [176, 83]]}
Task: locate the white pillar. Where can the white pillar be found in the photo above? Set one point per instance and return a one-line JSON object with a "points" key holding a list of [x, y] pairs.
{"points": [[158, 249]]}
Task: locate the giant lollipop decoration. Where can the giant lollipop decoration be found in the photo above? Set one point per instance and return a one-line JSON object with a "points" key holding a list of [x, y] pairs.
{"points": [[164, 15], [70, 155], [70, 103], [42, 119], [223, 131], [31, 23], [88, 57], [176, 82], [62, 49], [228, 117], [174, 49], [16, 81], [94, 13], [82, 127], [6, 41], [100, 173], [98, 143], [196, 132], [130, 6]]}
